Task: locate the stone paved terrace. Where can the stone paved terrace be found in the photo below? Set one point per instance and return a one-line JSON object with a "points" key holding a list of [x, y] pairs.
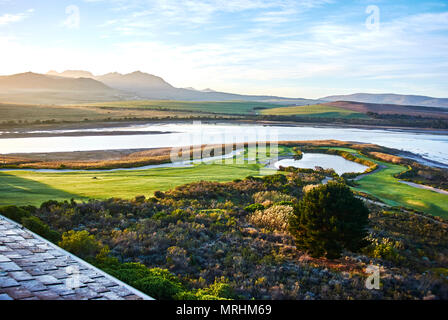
{"points": [[32, 268]]}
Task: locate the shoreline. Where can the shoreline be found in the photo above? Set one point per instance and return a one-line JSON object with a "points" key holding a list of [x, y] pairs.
{"points": [[33, 130], [56, 133]]}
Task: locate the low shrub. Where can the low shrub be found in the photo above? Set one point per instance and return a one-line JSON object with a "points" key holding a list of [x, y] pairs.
{"points": [[275, 218]]}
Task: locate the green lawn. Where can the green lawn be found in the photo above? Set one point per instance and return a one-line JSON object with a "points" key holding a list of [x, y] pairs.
{"points": [[25, 187], [319, 111], [384, 186]]}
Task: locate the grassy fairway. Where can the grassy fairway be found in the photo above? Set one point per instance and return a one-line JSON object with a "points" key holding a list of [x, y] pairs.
{"points": [[384, 186], [25, 187], [319, 111], [388, 189]]}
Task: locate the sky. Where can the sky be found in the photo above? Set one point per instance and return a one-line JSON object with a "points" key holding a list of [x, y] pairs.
{"points": [[301, 48]]}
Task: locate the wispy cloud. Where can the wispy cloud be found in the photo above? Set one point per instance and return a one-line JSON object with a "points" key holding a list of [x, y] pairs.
{"points": [[9, 18], [282, 47]]}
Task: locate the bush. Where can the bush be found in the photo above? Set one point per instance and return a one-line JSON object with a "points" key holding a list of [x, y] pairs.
{"points": [[80, 243], [36, 225], [160, 284], [271, 196], [254, 207], [14, 213], [157, 283], [328, 219], [275, 218]]}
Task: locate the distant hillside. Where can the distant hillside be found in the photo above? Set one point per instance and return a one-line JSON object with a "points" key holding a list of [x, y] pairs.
{"points": [[409, 100], [357, 110], [148, 86], [36, 88], [142, 85], [431, 112]]}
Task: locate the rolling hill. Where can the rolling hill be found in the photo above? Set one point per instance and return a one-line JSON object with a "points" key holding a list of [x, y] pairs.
{"points": [[34, 88], [150, 87], [349, 109], [397, 99]]}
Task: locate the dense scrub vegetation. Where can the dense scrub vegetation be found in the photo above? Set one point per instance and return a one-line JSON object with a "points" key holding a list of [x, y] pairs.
{"points": [[210, 240]]}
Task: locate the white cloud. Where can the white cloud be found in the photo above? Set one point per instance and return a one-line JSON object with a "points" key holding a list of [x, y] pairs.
{"points": [[8, 18], [287, 61]]}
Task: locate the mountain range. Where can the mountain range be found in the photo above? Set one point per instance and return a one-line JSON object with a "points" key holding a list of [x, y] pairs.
{"points": [[79, 86]]}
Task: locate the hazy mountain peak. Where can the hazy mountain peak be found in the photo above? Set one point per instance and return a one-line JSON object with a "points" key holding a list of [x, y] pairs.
{"points": [[134, 81], [71, 74]]}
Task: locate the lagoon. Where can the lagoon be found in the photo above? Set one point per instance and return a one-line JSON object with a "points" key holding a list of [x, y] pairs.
{"points": [[311, 160], [429, 145]]}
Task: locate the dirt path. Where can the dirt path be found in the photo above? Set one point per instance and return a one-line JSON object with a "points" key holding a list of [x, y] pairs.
{"points": [[421, 186]]}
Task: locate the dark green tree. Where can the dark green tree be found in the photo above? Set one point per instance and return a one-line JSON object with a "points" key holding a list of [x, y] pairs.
{"points": [[329, 219]]}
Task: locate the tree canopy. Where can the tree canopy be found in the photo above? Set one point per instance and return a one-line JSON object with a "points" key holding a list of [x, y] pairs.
{"points": [[329, 219]]}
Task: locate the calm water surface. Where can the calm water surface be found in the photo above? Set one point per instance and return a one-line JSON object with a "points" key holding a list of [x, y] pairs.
{"points": [[311, 160], [428, 145]]}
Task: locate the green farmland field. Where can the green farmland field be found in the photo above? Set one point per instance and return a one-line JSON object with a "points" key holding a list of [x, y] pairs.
{"points": [[232, 107], [318, 111]]}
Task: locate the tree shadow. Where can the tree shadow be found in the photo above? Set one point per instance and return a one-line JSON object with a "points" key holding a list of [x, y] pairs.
{"points": [[20, 191]]}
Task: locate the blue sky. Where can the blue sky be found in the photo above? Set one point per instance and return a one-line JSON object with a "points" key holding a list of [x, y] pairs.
{"points": [[301, 48]]}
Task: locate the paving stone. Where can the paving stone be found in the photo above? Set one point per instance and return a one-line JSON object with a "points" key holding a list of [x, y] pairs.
{"points": [[97, 287], [33, 285], [21, 276], [33, 269], [60, 273], [16, 239], [47, 295], [9, 266], [13, 255], [56, 253], [84, 279], [6, 282], [18, 293], [24, 263], [4, 296], [50, 267], [60, 263], [121, 291], [24, 252], [132, 297], [62, 289], [32, 298], [48, 280], [74, 297], [105, 282], [4, 258], [111, 296], [87, 293]]}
